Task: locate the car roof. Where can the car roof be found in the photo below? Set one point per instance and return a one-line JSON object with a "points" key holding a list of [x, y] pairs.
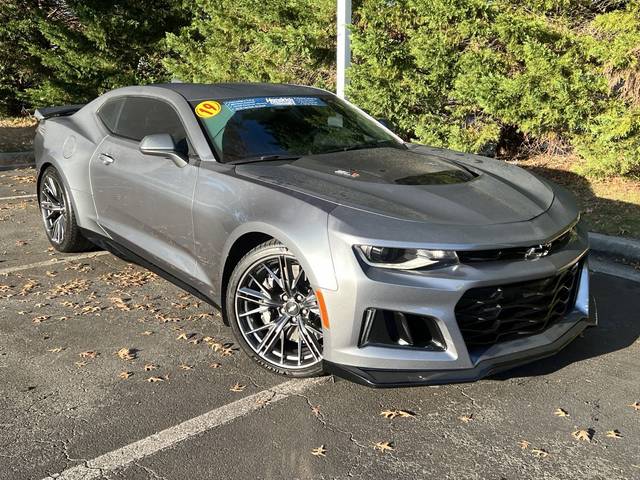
{"points": [[226, 91]]}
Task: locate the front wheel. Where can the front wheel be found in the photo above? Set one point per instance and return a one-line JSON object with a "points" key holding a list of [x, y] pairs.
{"points": [[274, 313]]}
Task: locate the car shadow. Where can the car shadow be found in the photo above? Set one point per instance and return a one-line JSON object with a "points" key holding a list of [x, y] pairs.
{"points": [[617, 303]]}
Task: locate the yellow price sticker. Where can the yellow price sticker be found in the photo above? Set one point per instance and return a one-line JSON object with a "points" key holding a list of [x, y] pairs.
{"points": [[208, 109]]}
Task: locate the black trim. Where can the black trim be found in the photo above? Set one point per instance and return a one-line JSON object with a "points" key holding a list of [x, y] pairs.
{"points": [[61, 111], [126, 254], [408, 378]]}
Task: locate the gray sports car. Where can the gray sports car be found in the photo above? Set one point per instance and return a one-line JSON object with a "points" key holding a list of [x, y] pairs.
{"points": [[329, 244]]}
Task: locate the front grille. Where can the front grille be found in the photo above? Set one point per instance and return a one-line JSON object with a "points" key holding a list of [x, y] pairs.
{"points": [[487, 315], [515, 253]]}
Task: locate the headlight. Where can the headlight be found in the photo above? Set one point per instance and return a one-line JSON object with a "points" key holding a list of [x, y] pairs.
{"points": [[406, 258]]}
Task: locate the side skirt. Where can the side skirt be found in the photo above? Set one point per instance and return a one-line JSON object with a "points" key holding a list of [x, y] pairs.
{"points": [[124, 253]]}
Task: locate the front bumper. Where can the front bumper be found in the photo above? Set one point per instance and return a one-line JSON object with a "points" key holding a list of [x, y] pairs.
{"points": [[435, 295]]}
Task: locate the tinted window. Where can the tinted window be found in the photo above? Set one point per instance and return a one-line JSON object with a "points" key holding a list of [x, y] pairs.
{"points": [[109, 113], [145, 116], [252, 128]]}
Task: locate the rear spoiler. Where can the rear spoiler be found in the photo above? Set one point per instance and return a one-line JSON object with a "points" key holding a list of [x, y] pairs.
{"points": [[62, 111]]}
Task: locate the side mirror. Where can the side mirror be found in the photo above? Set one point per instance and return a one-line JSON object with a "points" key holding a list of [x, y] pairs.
{"points": [[162, 145]]}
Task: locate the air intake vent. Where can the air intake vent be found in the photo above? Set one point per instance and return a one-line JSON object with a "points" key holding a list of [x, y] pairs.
{"points": [[388, 328], [488, 315]]}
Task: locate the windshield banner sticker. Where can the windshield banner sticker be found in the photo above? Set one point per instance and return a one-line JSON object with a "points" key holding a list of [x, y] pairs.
{"points": [[264, 102], [208, 109]]}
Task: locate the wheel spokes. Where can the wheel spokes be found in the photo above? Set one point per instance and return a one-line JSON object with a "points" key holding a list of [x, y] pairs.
{"points": [[276, 311]]}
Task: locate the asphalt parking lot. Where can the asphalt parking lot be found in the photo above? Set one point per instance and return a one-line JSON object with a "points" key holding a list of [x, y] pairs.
{"points": [[108, 371]]}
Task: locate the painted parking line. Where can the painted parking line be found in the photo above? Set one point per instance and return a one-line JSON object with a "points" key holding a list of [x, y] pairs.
{"points": [[171, 436], [19, 197], [53, 261]]}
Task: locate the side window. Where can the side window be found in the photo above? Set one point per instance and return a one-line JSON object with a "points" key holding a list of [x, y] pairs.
{"points": [[110, 112], [142, 116]]}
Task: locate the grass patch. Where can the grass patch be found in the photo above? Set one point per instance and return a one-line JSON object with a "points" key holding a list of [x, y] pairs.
{"points": [[610, 206], [16, 134]]}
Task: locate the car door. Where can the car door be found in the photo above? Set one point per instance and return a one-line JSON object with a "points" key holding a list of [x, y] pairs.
{"points": [[144, 202]]}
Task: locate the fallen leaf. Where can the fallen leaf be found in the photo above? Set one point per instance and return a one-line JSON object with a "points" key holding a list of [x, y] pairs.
{"points": [[80, 364], [540, 452], [316, 410], [391, 414], [41, 318], [614, 434], [155, 379], [237, 388], [125, 375], [150, 366], [384, 446], [195, 341], [226, 351], [583, 435], [55, 350], [560, 412], [215, 365], [184, 366], [51, 274], [523, 444], [126, 354], [89, 354], [319, 452], [146, 333], [465, 418], [182, 336], [635, 406]]}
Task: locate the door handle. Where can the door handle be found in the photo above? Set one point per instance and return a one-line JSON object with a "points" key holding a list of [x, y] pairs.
{"points": [[106, 159]]}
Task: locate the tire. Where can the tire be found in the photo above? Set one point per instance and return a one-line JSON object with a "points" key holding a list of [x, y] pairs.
{"points": [[284, 332], [58, 215]]}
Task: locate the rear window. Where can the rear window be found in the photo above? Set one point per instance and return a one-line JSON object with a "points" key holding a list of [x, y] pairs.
{"points": [[110, 112]]}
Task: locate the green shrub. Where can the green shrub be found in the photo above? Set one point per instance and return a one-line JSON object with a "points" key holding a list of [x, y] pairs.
{"points": [[468, 74], [251, 40]]}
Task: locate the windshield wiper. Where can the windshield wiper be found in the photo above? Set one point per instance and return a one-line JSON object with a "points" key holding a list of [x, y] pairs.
{"points": [[364, 146], [265, 158]]}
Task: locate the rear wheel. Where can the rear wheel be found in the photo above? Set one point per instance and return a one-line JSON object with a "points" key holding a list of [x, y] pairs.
{"points": [[274, 313], [58, 216]]}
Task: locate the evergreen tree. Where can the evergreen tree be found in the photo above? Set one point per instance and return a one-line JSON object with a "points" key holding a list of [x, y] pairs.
{"points": [[92, 46]]}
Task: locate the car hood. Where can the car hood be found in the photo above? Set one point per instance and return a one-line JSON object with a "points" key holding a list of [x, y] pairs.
{"points": [[418, 184]]}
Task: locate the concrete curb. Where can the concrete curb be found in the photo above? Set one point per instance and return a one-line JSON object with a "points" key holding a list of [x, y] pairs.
{"points": [[11, 160], [616, 247]]}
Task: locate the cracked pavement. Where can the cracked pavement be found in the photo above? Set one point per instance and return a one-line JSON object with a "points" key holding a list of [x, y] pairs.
{"points": [[60, 410]]}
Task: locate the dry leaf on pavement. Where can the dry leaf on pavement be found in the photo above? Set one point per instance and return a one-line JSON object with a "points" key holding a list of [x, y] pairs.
{"points": [[523, 444], [184, 366], [89, 354], [126, 354], [560, 412], [316, 410], [583, 435], [635, 406], [465, 418], [391, 414], [237, 388], [55, 350], [319, 452], [540, 452], [150, 366], [156, 379], [614, 434], [146, 333], [125, 375], [215, 365], [383, 446]]}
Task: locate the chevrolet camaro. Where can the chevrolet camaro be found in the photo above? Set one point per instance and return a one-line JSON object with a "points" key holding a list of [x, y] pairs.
{"points": [[328, 243]]}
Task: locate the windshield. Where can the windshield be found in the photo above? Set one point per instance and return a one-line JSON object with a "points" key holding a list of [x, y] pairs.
{"points": [[254, 129]]}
